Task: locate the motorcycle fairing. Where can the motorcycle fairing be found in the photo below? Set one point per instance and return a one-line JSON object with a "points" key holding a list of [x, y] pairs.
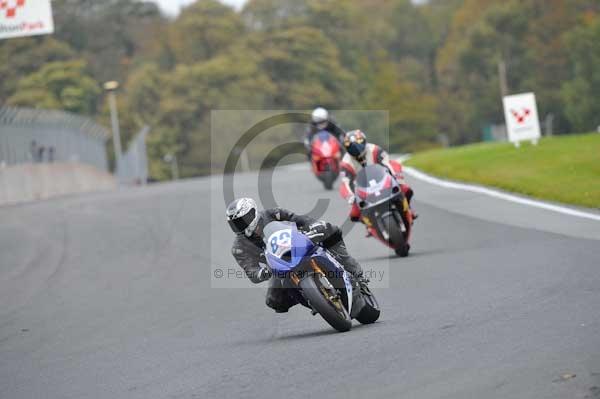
{"points": [[288, 249]]}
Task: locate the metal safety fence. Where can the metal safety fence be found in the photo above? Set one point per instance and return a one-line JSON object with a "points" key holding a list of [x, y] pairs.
{"points": [[46, 136]]}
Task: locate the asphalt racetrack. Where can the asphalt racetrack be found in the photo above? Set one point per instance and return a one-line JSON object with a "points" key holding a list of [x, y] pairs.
{"points": [[114, 295]]}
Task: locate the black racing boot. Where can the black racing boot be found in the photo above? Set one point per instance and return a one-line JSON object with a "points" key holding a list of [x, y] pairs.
{"points": [[415, 215], [363, 284]]}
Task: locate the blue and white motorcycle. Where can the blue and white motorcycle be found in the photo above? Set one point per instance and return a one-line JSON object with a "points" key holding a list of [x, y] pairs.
{"points": [[316, 279]]}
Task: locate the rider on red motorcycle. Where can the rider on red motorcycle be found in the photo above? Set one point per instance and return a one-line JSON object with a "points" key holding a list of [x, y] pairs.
{"points": [[321, 121], [326, 154], [360, 153]]}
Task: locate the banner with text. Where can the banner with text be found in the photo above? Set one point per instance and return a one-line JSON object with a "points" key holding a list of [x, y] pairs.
{"points": [[25, 18]]}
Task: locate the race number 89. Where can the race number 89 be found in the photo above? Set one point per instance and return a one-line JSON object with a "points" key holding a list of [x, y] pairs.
{"points": [[282, 239]]}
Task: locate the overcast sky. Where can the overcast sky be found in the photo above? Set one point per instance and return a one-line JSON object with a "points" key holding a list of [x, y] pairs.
{"points": [[172, 7]]}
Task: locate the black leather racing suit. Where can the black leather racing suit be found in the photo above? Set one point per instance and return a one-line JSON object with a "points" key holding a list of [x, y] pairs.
{"points": [[249, 252], [331, 127]]}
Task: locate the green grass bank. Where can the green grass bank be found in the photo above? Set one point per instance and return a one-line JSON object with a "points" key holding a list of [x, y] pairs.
{"points": [[560, 168]]}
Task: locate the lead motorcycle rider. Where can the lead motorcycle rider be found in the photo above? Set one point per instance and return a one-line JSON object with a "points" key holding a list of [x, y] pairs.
{"points": [[360, 153], [248, 247]]}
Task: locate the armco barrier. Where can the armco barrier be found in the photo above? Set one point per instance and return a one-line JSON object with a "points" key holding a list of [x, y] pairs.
{"points": [[30, 182]]}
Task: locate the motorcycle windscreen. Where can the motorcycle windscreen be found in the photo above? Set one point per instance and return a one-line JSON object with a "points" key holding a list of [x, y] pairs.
{"points": [[375, 185], [324, 145], [323, 136], [371, 175], [285, 246]]}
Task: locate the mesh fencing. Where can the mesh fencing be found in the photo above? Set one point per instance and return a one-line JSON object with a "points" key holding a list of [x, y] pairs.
{"points": [[46, 136]]}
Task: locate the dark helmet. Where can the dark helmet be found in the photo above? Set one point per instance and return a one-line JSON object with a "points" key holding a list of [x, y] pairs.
{"points": [[355, 143], [242, 216]]}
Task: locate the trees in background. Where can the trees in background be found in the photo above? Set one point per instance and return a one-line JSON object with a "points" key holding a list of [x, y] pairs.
{"points": [[482, 36], [58, 85], [112, 36], [202, 31], [581, 92], [23, 56], [434, 67]]}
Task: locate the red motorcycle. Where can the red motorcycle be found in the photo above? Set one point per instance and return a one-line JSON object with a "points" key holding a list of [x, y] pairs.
{"points": [[383, 205], [325, 158]]}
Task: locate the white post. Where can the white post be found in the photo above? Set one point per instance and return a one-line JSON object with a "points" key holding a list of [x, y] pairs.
{"points": [[549, 125], [171, 159], [503, 78], [175, 168]]}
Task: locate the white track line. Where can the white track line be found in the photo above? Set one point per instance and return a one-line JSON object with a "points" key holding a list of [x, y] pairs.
{"points": [[498, 194]]}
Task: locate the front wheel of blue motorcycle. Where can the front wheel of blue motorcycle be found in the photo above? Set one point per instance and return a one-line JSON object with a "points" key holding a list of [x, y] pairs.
{"points": [[326, 301]]}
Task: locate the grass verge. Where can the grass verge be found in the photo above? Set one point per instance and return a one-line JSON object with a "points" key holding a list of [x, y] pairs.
{"points": [[560, 168]]}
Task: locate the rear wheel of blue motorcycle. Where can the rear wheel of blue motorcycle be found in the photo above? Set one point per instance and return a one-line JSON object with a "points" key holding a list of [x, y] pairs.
{"points": [[313, 291]]}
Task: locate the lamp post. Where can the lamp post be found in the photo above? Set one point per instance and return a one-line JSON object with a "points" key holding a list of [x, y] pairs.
{"points": [[111, 87]]}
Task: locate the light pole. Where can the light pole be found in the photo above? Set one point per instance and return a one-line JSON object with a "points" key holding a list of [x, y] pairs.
{"points": [[503, 78], [111, 87]]}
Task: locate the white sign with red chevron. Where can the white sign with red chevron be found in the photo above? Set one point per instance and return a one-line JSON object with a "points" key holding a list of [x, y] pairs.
{"points": [[522, 122], [25, 18]]}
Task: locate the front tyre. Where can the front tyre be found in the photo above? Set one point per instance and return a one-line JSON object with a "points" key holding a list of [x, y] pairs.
{"points": [[397, 238], [328, 179], [402, 250], [326, 301]]}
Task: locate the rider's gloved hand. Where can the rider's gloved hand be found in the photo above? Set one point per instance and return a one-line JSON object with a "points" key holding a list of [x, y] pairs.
{"points": [[351, 199], [317, 231], [264, 273]]}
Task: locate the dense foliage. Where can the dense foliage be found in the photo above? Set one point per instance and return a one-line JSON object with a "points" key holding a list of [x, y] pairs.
{"points": [[434, 66]]}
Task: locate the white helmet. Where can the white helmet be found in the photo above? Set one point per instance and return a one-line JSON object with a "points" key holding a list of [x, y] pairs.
{"points": [[242, 216], [320, 116]]}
